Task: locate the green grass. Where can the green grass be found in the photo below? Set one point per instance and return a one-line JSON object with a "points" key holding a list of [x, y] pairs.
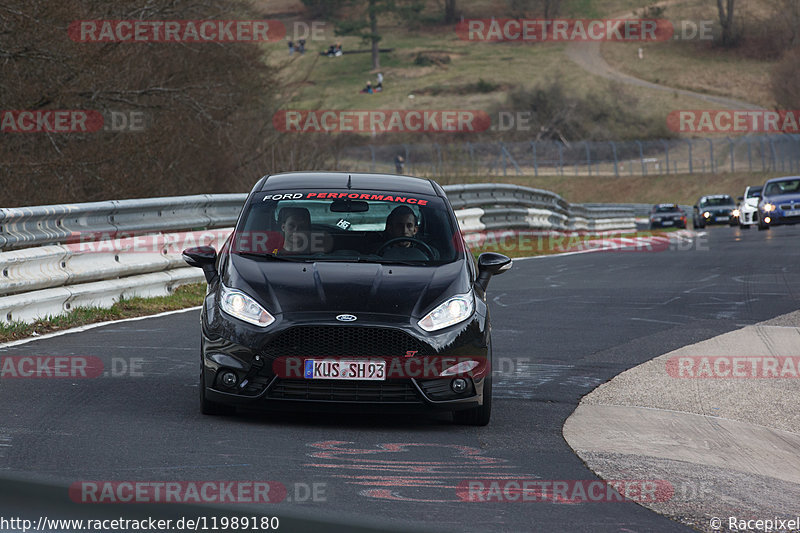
{"points": [[697, 65], [185, 296], [334, 83], [534, 246], [682, 189]]}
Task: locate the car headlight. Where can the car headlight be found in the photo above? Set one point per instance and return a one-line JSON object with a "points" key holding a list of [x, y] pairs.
{"points": [[452, 311], [240, 305], [769, 208], [735, 213], [706, 214]]}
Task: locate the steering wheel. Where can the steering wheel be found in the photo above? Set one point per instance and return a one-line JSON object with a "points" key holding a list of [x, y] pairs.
{"points": [[426, 249]]}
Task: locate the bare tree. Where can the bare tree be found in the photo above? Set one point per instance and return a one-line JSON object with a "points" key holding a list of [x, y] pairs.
{"points": [[449, 11], [725, 10], [207, 107]]}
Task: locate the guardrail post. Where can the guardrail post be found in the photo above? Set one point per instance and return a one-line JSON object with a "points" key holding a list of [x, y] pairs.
{"points": [[372, 155], [616, 162], [560, 157], [666, 155], [641, 157], [691, 165]]}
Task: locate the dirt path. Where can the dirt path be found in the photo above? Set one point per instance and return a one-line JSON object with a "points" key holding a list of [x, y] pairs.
{"points": [[589, 57]]}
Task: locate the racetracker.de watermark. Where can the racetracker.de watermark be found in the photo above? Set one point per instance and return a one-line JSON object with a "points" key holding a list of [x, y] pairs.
{"points": [[730, 121], [582, 30], [71, 121], [538, 242], [381, 121], [177, 492], [733, 367], [565, 491], [68, 367], [176, 31]]}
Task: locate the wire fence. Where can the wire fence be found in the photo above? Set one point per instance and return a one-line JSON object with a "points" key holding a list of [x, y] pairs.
{"points": [[766, 153]]}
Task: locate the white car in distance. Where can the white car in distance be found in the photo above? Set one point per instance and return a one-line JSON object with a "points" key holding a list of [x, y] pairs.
{"points": [[748, 206]]}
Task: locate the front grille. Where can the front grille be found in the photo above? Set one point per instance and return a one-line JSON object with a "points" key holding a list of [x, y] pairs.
{"points": [[345, 391], [789, 207], [332, 341]]}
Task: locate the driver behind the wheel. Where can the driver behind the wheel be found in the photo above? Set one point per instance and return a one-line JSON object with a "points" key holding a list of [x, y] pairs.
{"points": [[401, 222]]}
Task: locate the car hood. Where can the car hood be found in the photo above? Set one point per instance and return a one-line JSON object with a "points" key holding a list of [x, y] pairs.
{"points": [[339, 287], [782, 199]]}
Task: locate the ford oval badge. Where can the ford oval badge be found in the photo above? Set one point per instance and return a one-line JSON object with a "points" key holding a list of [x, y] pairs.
{"points": [[346, 318]]}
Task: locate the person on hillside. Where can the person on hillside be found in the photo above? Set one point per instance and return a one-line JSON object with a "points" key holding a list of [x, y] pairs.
{"points": [[368, 88]]}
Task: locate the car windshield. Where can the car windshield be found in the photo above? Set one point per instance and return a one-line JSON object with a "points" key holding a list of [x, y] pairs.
{"points": [[358, 226], [754, 192], [713, 201], [776, 188]]}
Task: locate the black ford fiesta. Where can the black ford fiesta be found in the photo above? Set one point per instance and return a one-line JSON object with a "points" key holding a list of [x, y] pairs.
{"points": [[339, 289]]}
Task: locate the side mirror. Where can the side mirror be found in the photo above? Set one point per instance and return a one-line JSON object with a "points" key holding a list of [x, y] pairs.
{"points": [[204, 257], [491, 264]]}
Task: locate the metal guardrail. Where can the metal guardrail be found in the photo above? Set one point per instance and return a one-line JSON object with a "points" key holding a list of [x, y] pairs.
{"points": [[34, 226], [59, 257]]}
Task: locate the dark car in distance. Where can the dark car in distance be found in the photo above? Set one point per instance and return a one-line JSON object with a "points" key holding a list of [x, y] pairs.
{"points": [[667, 216], [341, 290], [780, 202], [714, 209]]}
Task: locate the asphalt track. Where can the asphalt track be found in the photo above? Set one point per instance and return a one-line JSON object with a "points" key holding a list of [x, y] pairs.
{"points": [[561, 326]]}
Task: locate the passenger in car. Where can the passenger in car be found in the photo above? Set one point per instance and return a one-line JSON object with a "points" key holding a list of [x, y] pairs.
{"points": [[401, 222]]}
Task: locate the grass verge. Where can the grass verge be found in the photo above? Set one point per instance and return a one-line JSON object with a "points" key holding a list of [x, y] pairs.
{"points": [[185, 296], [517, 245]]}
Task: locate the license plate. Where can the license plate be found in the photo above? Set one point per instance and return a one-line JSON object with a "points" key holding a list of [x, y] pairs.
{"points": [[792, 213], [721, 219], [666, 223], [345, 369]]}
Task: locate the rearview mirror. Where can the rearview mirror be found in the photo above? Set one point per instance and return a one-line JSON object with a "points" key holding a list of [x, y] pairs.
{"points": [[204, 257], [349, 206], [491, 264]]}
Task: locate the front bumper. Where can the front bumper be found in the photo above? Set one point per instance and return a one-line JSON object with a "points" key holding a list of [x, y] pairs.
{"points": [[723, 217], [778, 218], [257, 357], [667, 223], [748, 216]]}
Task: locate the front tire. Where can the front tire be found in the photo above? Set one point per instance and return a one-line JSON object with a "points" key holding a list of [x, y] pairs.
{"points": [[761, 225]]}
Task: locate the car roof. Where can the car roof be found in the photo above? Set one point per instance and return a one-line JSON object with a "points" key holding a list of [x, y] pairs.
{"points": [[785, 178], [345, 180]]}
